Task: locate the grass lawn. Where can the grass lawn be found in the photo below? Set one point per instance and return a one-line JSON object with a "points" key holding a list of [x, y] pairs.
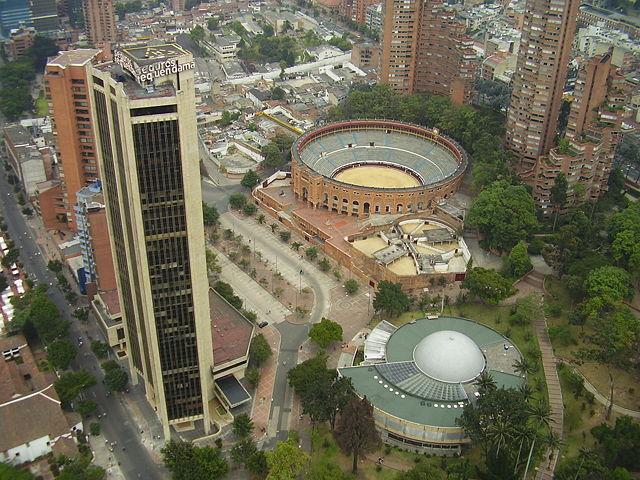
{"points": [[325, 451], [42, 109], [626, 385]]}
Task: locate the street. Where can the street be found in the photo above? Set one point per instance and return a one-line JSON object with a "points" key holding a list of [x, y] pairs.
{"points": [[118, 425]]}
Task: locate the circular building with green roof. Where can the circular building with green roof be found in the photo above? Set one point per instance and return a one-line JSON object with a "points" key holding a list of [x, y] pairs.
{"points": [[420, 376]]}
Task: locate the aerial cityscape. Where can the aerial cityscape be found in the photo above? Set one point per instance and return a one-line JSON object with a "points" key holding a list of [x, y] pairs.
{"points": [[320, 239]]}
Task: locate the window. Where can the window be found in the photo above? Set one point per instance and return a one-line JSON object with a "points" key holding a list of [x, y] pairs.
{"points": [[77, 81]]}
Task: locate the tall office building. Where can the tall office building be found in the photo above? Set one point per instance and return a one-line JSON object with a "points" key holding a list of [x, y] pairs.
{"points": [[13, 13], [66, 82], [44, 15], [425, 49], [144, 108], [539, 80], [100, 21], [586, 154]]}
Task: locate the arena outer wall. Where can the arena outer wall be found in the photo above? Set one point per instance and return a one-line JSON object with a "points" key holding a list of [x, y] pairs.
{"points": [[321, 191]]}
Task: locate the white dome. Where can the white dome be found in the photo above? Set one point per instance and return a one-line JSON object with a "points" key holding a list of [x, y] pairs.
{"points": [[449, 356]]}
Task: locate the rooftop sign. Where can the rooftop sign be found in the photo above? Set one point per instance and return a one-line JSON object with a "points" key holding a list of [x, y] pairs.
{"points": [[148, 63]]}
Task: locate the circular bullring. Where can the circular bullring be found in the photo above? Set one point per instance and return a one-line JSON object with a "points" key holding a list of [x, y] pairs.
{"points": [[375, 166]]}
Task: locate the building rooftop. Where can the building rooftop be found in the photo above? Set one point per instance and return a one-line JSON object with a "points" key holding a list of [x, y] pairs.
{"points": [[74, 58], [148, 54], [29, 405], [230, 332], [18, 135], [423, 377]]}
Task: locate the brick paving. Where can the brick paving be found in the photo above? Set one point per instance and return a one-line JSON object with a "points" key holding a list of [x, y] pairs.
{"points": [[262, 401]]}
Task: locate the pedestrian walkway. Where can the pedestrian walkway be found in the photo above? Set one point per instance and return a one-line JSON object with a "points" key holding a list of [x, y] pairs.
{"points": [[600, 397], [264, 393], [104, 458], [545, 469]]}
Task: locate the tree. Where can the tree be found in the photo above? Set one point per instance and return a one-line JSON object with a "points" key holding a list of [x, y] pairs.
{"points": [[70, 384], [242, 425], [356, 431], [61, 352], [518, 262], [249, 209], [11, 256], [242, 451], [619, 443], [237, 201], [278, 93], [487, 285], [210, 215], [226, 291], [351, 286], [250, 179], [80, 468], [485, 383], [186, 461], [558, 196], [259, 351], [197, 33], [213, 267], [55, 266], [609, 283], [390, 299], [253, 376], [311, 253], [325, 332], [616, 339], [213, 23], [504, 214], [115, 378], [82, 314], [286, 461], [46, 319], [3, 282], [86, 408], [99, 349], [285, 236]]}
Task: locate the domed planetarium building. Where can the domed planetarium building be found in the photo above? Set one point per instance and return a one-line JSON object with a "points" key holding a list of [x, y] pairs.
{"points": [[420, 376]]}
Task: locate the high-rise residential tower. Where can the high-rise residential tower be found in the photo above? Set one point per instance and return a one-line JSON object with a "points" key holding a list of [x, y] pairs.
{"points": [[144, 108], [539, 80], [66, 81], [425, 49], [100, 21], [585, 155]]}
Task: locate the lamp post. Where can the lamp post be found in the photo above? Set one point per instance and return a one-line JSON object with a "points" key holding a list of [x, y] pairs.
{"points": [[300, 273]]}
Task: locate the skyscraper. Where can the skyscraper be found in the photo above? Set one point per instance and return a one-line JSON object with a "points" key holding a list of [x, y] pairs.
{"points": [[100, 22], [539, 80], [67, 91], [144, 107], [425, 49], [586, 153]]}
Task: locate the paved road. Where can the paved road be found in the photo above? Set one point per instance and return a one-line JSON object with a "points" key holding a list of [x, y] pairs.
{"points": [[118, 426]]}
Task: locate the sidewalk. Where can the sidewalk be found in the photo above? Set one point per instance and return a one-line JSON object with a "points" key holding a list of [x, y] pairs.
{"points": [[262, 402], [104, 458]]}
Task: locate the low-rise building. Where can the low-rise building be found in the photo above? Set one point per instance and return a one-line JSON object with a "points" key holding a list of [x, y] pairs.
{"points": [[24, 157], [20, 39], [225, 47], [33, 424]]}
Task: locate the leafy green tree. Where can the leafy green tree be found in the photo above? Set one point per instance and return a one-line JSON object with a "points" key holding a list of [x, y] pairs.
{"points": [[286, 461], [257, 463], [226, 291], [116, 379], [351, 286], [250, 179], [487, 285], [242, 426], [504, 214], [99, 349], [197, 33], [70, 384], [80, 468], [249, 209], [278, 93], [259, 351], [4, 283], [55, 266], [94, 429], [356, 432], [616, 339], [213, 267], [324, 265], [390, 299], [81, 314], [325, 332], [609, 283], [242, 451], [210, 214], [11, 256], [213, 23], [619, 443], [311, 253], [558, 196], [518, 262], [237, 201], [186, 461], [285, 236], [86, 408], [61, 352], [253, 376]]}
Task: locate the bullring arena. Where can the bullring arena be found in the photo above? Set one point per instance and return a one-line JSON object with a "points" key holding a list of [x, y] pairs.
{"points": [[372, 166], [375, 196]]}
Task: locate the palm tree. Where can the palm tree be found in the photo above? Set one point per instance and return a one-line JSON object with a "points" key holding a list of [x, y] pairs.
{"points": [[485, 383], [500, 431], [584, 454], [526, 391], [553, 441], [260, 218], [540, 414], [522, 433], [522, 366], [274, 227]]}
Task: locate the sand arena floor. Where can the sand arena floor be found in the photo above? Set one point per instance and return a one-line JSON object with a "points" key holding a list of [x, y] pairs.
{"points": [[378, 177]]}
